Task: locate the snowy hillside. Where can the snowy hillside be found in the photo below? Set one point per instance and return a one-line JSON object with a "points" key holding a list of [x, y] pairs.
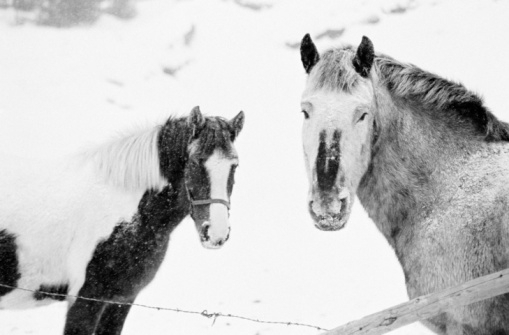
{"points": [[63, 89]]}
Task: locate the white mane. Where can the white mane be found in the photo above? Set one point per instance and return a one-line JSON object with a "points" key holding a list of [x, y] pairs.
{"points": [[130, 162]]}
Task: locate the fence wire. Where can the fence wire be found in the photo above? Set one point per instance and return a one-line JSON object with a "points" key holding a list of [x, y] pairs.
{"points": [[204, 313]]}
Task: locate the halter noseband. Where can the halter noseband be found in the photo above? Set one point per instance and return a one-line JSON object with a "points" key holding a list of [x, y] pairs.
{"points": [[210, 201]]}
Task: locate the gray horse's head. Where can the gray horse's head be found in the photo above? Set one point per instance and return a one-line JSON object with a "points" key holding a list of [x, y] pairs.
{"points": [[337, 104]]}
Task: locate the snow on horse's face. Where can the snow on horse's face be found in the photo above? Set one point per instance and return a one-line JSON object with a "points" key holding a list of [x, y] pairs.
{"points": [[209, 175], [337, 129]]}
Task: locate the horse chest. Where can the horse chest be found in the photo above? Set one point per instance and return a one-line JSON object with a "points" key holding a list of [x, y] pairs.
{"points": [[129, 258], [125, 262]]}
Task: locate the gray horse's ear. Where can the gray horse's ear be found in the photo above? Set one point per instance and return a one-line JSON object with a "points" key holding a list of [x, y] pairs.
{"points": [[364, 57], [308, 53], [195, 120], [236, 125]]}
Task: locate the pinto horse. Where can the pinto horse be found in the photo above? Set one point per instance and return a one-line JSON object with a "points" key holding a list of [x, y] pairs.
{"points": [[428, 162], [97, 225]]}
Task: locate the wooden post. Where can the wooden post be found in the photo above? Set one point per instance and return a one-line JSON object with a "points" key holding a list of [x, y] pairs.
{"points": [[426, 306]]}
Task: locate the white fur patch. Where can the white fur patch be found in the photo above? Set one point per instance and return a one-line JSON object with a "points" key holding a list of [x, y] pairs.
{"points": [[58, 211], [218, 167], [131, 162]]}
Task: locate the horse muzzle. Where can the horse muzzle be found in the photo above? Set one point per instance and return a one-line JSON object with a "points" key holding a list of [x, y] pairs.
{"points": [[214, 228], [212, 238], [330, 213]]}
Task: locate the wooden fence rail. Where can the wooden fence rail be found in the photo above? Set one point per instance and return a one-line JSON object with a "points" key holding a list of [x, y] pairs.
{"points": [[427, 306]]}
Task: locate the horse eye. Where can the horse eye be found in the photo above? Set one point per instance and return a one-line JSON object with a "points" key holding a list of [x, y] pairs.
{"points": [[363, 117], [194, 162], [306, 115]]}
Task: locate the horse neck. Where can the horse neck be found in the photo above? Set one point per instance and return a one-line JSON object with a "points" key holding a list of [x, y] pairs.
{"points": [[163, 211], [412, 156]]}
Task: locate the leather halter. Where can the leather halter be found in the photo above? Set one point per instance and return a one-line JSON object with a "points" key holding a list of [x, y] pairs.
{"points": [[210, 201]]}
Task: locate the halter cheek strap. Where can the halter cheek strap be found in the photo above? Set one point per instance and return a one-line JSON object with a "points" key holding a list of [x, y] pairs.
{"points": [[210, 201]]}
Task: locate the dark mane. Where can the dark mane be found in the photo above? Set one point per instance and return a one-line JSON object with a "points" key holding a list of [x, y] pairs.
{"points": [[172, 145], [446, 100], [434, 94]]}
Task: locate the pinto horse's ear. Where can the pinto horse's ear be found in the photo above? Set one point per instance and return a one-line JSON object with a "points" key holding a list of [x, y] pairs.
{"points": [[364, 57], [308, 53], [195, 120], [236, 125]]}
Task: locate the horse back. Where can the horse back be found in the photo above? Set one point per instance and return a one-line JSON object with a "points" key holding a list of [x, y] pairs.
{"points": [[55, 213]]}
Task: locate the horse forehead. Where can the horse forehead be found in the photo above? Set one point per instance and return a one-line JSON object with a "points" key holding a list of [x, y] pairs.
{"points": [[330, 106], [199, 147], [220, 160]]}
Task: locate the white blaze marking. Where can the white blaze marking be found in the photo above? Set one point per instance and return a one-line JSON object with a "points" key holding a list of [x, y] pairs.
{"points": [[218, 168]]}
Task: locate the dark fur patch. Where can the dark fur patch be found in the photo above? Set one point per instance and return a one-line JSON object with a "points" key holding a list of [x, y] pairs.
{"points": [[327, 161], [9, 272], [364, 57], [176, 135], [112, 319], [215, 135], [173, 142], [54, 292], [231, 179], [128, 260], [308, 53], [395, 232], [198, 186], [236, 125]]}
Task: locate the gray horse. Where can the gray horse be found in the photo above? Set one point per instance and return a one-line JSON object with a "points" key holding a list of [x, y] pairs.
{"points": [[427, 160]]}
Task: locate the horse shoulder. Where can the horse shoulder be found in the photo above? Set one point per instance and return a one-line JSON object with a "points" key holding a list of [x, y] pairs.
{"points": [[471, 211], [100, 207]]}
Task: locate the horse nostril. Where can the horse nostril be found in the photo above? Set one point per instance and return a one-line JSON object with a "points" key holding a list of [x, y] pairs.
{"points": [[205, 232], [314, 207], [227, 235]]}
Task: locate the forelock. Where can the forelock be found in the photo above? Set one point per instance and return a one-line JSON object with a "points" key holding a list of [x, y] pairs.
{"points": [[335, 71], [214, 135]]}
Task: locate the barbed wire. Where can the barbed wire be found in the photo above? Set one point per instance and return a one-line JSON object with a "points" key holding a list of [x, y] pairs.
{"points": [[203, 313]]}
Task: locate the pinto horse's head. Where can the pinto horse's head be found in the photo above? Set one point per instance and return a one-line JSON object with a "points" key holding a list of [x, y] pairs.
{"points": [[337, 104], [209, 174]]}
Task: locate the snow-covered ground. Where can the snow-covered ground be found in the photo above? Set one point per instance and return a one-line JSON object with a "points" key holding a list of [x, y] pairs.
{"points": [[61, 90]]}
